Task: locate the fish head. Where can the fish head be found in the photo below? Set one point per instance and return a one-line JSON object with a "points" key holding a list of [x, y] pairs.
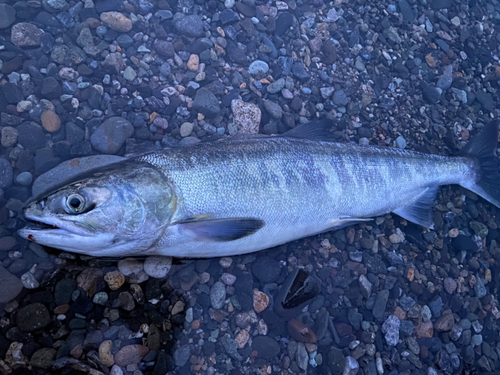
{"points": [[119, 210]]}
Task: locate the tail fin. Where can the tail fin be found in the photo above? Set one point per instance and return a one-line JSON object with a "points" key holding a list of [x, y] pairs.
{"points": [[483, 148]]}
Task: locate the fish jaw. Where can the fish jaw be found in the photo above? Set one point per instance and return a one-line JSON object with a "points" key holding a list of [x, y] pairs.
{"points": [[66, 235]]}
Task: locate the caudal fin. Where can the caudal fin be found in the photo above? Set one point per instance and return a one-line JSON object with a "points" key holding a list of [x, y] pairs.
{"points": [[483, 148]]}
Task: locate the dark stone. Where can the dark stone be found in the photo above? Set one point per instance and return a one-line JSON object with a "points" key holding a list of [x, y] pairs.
{"points": [[33, 317], [189, 25], [266, 347], [441, 4], [246, 10], [335, 361], [486, 100], [108, 6], [462, 243], [300, 72], [206, 102], [283, 23], [406, 10], [228, 16], [12, 93], [267, 270], [164, 48], [63, 291], [236, 54], [31, 136], [51, 88]]}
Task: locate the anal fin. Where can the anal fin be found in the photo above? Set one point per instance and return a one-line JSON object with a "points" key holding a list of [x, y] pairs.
{"points": [[420, 211]]}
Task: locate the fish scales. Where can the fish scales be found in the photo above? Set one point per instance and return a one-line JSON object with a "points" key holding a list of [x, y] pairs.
{"points": [[296, 186], [233, 197]]}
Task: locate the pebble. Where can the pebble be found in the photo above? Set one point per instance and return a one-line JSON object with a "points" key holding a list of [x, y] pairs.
{"points": [[400, 142], [273, 109], [114, 279], [116, 21], [33, 317], [111, 135], [391, 330], [9, 136], [6, 174], [218, 295], [105, 353], [193, 63], [25, 34], [260, 301], [301, 332], [206, 103], [276, 86], [130, 266], [242, 338], [182, 355], [130, 354], [157, 267], [444, 323], [191, 25], [11, 286], [351, 366], [265, 346], [43, 358], [51, 121], [129, 74], [246, 116], [7, 15], [258, 66], [186, 129]]}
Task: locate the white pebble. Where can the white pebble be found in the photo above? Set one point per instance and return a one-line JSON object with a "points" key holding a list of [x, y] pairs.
{"points": [[157, 266]]}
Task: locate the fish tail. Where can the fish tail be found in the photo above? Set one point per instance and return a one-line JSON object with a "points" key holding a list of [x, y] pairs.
{"points": [[483, 149]]}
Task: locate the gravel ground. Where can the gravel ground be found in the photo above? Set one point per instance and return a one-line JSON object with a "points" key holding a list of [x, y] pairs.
{"points": [[104, 79]]}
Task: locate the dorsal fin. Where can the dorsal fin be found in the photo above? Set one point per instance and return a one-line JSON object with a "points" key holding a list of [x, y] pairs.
{"points": [[318, 130]]}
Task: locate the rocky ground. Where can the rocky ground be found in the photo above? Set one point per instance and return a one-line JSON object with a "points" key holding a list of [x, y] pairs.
{"points": [[110, 78]]}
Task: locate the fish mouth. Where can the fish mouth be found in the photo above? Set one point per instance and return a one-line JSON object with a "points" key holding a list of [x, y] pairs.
{"points": [[53, 226]]}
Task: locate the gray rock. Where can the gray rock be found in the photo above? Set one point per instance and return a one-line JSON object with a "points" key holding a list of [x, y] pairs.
{"points": [[276, 86], [258, 66], [400, 142], [6, 174], [31, 136], [182, 355], [57, 5], [111, 135], [11, 286], [391, 330], [335, 361], [33, 317], [7, 16], [266, 269], [24, 178], [273, 109], [266, 347], [340, 98], [164, 48], [218, 295], [380, 304], [189, 25], [25, 34], [206, 102], [231, 347], [351, 366], [71, 168], [302, 356]]}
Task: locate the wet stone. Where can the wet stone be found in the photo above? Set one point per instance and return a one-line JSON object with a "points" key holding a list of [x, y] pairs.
{"points": [[111, 135], [26, 35], [391, 330], [266, 269], [380, 303], [206, 102], [33, 317], [6, 174], [265, 346], [11, 286], [191, 26], [218, 295]]}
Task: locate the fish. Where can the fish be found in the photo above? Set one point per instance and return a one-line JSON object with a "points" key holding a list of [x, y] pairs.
{"points": [[237, 196]]}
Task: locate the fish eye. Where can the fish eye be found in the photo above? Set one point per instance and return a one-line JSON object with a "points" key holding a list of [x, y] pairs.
{"points": [[75, 203]]}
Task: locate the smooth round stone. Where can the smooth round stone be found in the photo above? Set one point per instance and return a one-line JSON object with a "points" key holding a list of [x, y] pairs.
{"points": [[7, 16], [258, 66], [6, 174], [218, 295], [130, 266], [24, 178], [157, 266]]}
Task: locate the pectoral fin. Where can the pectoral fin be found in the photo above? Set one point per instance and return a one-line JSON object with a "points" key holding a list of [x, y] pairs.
{"points": [[420, 211], [220, 230]]}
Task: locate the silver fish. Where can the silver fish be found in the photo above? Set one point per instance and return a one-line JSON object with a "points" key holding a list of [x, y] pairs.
{"points": [[239, 196]]}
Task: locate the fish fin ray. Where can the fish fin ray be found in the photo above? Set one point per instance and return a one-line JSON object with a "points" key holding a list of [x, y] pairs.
{"points": [[420, 211], [346, 221], [315, 131], [483, 148], [220, 230]]}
